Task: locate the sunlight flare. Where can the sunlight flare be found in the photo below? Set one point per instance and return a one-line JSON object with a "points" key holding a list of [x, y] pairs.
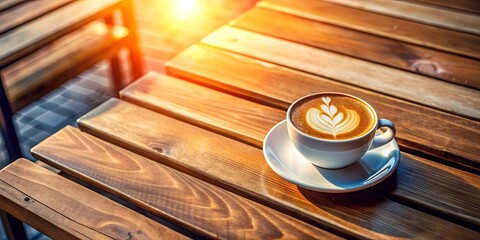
{"points": [[183, 9]]}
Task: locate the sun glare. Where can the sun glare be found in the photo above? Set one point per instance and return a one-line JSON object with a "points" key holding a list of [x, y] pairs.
{"points": [[182, 9]]}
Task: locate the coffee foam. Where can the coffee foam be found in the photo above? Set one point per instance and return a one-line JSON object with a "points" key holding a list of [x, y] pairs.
{"points": [[333, 117]]}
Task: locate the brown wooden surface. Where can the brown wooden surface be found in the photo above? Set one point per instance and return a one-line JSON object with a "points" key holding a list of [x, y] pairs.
{"points": [[240, 167], [185, 200], [410, 57], [41, 69], [4, 4], [464, 5], [27, 11], [214, 135], [418, 128], [65, 210], [419, 13], [192, 103], [417, 33], [401, 84], [34, 34], [421, 182]]}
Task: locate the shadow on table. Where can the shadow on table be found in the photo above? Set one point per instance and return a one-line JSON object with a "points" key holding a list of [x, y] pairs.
{"points": [[362, 208]]}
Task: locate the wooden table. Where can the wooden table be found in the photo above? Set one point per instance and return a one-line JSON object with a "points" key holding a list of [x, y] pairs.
{"points": [[190, 152]]}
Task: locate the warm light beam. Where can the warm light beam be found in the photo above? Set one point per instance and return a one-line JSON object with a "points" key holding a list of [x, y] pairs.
{"points": [[183, 9]]}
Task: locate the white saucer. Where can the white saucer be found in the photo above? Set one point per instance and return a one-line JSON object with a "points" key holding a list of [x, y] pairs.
{"points": [[375, 166]]}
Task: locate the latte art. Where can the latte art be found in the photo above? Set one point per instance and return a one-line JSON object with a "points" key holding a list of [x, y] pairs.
{"points": [[328, 120], [333, 116]]}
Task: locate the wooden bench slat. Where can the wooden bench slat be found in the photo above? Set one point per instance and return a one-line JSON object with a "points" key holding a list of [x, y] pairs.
{"points": [[27, 11], [464, 5], [240, 167], [161, 93], [413, 87], [444, 189], [412, 32], [32, 35], [190, 202], [63, 209], [410, 57], [418, 128], [4, 4], [42, 69], [420, 13]]}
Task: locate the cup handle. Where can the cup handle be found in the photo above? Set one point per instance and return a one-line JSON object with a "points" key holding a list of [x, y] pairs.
{"points": [[385, 137]]}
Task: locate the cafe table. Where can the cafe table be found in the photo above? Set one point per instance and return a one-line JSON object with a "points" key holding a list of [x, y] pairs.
{"points": [[185, 151]]}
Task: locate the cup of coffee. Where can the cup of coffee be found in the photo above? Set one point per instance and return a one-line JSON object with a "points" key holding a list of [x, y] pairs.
{"points": [[334, 130]]}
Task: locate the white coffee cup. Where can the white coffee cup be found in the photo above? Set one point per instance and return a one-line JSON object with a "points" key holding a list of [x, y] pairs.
{"points": [[333, 154]]}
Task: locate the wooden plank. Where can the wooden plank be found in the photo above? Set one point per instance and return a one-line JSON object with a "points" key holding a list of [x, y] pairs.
{"points": [[42, 68], [5, 4], [27, 11], [183, 199], [409, 86], [63, 209], [464, 5], [412, 32], [418, 128], [48, 167], [419, 13], [23, 40], [250, 122], [242, 168], [421, 60], [192, 103]]}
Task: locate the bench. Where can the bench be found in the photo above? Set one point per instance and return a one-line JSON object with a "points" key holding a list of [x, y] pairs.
{"points": [[205, 210], [63, 209], [45, 43], [44, 70]]}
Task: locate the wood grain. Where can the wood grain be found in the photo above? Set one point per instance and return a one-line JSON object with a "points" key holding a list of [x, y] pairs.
{"points": [[22, 40], [418, 179], [4, 4], [242, 168], [429, 185], [401, 84], [192, 103], [412, 32], [42, 68], [63, 209], [419, 13], [183, 199], [410, 57], [464, 5], [26, 12], [422, 129]]}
